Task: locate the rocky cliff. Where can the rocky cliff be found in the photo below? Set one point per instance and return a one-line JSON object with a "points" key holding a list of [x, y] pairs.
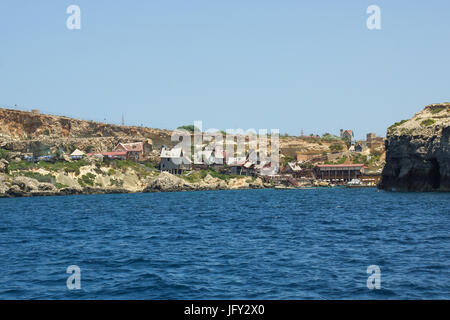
{"points": [[418, 152], [21, 131]]}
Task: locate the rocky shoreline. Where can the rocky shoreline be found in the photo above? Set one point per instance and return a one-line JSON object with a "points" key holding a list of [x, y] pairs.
{"points": [[418, 152], [22, 186]]}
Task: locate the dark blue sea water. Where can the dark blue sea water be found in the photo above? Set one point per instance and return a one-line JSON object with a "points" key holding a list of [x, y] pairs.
{"points": [[252, 244]]}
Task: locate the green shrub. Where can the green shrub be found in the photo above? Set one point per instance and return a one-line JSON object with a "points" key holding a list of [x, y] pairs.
{"points": [[397, 124], [190, 178], [328, 137], [287, 159], [437, 109], [427, 122], [189, 127], [142, 170], [341, 160], [20, 165], [117, 183], [73, 166], [87, 179], [3, 153], [149, 164], [39, 177], [336, 147], [359, 158]]}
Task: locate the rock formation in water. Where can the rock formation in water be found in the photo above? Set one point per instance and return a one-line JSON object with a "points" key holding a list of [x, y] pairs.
{"points": [[418, 152]]}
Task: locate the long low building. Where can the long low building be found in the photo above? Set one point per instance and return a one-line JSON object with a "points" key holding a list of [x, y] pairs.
{"points": [[339, 172]]}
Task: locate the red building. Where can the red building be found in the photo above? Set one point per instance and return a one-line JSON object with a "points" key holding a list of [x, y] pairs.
{"points": [[136, 150]]}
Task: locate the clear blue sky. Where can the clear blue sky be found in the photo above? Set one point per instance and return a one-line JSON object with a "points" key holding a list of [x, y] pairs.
{"points": [[233, 64]]}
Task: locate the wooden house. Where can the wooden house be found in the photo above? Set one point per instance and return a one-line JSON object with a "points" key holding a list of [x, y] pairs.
{"points": [[293, 169], [174, 161], [137, 151], [77, 155]]}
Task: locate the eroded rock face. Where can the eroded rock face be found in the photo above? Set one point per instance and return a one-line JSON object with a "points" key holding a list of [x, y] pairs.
{"points": [[26, 184], [3, 186], [4, 166], [24, 132], [418, 152], [167, 182]]}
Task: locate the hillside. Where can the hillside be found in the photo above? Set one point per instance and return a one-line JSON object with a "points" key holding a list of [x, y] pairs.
{"points": [[24, 132], [20, 129]]}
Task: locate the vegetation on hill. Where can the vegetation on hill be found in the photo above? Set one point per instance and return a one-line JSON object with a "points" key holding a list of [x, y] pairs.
{"points": [[197, 176], [189, 127], [397, 124], [73, 166], [3, 153], [427, 122], [328, 137], [336, 147]]}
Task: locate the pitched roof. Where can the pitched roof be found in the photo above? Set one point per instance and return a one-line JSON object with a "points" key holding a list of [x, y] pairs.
{"points": [[173, 153], [349, 132], [262, 164], [77, 153], [236, 161], [294, 166], [248, 164], [134, 146]]}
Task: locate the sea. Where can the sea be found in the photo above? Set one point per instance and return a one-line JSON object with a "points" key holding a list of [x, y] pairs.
{"points": [[328, 243]]}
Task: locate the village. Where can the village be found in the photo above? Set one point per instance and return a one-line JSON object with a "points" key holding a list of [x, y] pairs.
{"points": [[72, 155], [346, 163]]}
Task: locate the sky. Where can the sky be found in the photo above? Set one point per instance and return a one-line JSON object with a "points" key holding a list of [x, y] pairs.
{"points": [[288, 65]]}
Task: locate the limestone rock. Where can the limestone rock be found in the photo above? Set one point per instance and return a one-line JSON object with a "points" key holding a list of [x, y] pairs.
{"points": [[4, 165], [167, 182], [67, 180], [26, 184], [131, 181], [238, 183], [256, 184], [43, 186], [4, 187], [15, 191], [418, 152]]}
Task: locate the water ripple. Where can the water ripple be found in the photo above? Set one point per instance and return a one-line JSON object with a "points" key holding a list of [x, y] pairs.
{"points": [[254, 244]]}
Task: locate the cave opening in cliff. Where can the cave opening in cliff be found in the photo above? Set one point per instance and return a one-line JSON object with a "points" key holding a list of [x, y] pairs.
{"points": [[435, 175]]}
